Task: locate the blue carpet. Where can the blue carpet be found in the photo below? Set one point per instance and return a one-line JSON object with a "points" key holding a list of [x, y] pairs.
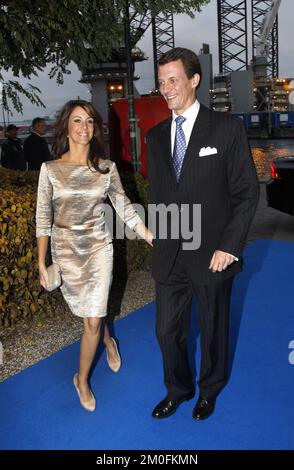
{"points": [[40, 409]]}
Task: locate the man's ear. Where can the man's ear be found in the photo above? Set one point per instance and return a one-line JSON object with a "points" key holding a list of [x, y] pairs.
{"points": [[195, 80]]}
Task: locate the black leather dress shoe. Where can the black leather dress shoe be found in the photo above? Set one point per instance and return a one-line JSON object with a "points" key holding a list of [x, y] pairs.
{"points": [[203, 408], [168, 407]]}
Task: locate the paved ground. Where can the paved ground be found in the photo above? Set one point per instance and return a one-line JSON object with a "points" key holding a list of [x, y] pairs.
{"points": [[270, 223]]}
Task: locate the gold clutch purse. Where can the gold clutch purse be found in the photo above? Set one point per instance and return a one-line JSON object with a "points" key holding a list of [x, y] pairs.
{"points": [[54, 276]]}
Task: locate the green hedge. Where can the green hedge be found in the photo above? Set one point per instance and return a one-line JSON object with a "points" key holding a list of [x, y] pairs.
{"points": [[20, 293]]}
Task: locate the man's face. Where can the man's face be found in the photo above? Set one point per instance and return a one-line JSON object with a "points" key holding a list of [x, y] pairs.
{"points": [[177, 89], [12, 134], [41, 127]]}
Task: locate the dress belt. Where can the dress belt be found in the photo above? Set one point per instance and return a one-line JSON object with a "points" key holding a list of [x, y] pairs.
{"points": [[89, 226]]}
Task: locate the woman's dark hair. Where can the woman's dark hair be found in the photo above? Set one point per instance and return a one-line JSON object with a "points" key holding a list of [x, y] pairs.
{"points": [[60, 137], [189, 60]]}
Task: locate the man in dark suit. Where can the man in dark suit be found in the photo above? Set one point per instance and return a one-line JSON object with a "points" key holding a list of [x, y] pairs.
{"points": [[197, 158], [35, 146], [12, 156]]}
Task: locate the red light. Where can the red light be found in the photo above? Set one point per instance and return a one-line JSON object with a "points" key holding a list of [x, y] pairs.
{"points": [[274, 171]]}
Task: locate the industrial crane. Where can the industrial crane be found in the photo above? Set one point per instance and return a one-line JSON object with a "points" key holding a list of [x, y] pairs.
{"points": [[260, 60], [266, 29]]}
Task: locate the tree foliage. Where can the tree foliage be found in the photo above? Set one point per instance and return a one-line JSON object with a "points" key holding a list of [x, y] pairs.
{"points": [[56, 32]]}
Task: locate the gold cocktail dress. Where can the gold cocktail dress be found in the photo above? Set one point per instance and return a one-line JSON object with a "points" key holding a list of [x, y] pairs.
{"points": [[71, 210]]}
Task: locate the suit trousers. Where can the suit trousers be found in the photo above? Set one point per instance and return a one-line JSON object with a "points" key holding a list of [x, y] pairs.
{"points": [[173, 300]]}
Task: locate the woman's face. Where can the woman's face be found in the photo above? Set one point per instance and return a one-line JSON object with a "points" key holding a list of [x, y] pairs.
{"points": [[80, 126]]}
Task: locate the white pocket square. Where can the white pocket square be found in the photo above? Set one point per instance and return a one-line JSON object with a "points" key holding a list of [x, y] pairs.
{"points": [[205, 151]]}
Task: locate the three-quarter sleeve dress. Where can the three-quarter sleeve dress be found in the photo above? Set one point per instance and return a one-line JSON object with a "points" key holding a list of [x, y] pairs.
{"points": [[71, 210]]}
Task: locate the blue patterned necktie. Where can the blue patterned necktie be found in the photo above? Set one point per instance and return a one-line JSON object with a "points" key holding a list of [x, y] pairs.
{"points": [[179, 146]]}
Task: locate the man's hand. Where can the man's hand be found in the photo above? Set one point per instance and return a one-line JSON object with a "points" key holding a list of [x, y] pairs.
{"points": [[220, 261]]}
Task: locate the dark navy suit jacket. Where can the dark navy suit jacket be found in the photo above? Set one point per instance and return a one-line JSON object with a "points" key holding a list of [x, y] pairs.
{"points": [[225, 184]]}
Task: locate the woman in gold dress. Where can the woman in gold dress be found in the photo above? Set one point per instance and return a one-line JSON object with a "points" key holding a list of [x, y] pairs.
{"points": [[70, 210]]}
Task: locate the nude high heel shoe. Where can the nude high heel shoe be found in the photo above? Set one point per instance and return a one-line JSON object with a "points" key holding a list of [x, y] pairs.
{"points": [[114, 365], [89, 405]]}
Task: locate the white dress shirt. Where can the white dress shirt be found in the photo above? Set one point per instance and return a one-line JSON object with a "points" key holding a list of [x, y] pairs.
{"points": [[190, 114]]}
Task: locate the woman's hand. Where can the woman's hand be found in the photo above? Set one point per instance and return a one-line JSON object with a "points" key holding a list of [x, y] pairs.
{"points": [[150, 238], [144, 233], [43, 277], [42, 250]]}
